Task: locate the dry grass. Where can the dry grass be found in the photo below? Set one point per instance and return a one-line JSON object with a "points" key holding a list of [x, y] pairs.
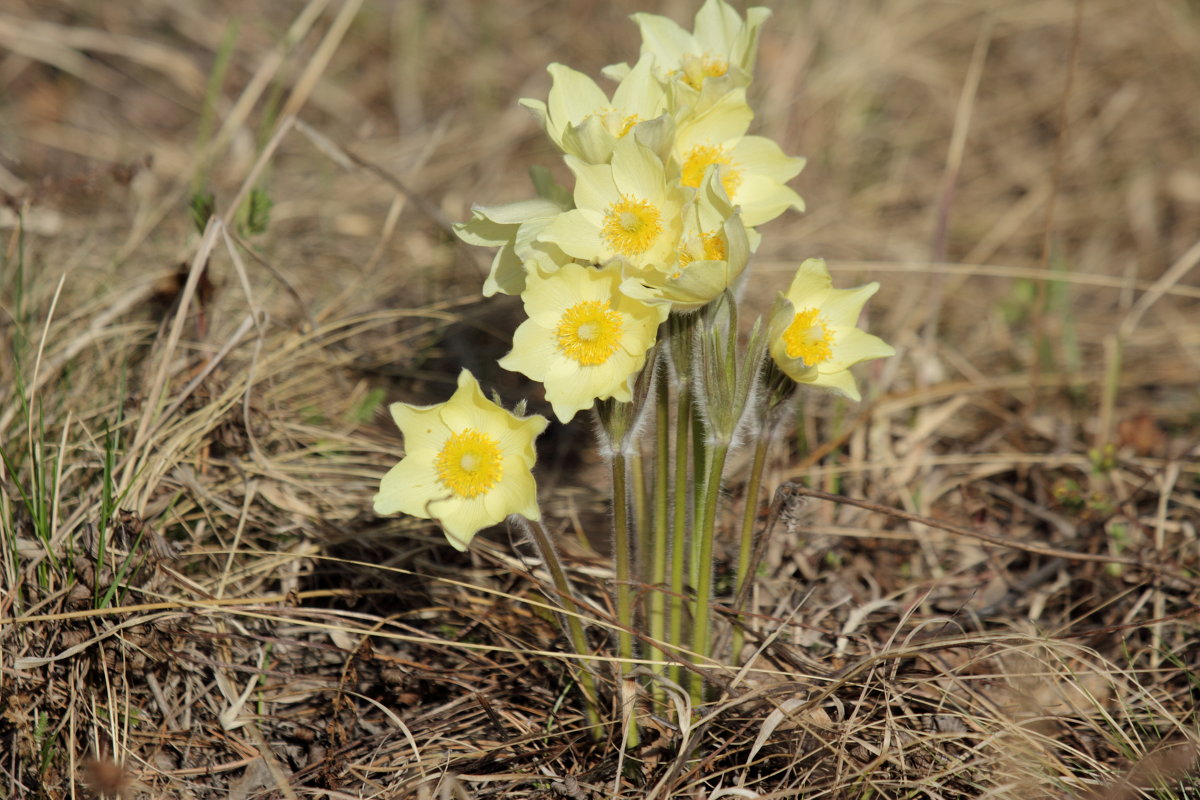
{"points": [[196, 601]]}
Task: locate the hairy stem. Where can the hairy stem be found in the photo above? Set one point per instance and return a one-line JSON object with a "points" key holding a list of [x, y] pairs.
{"points": [[702, 618], [683, 425], [700, 454], [658, 559], [622, 556], [746, 546]]}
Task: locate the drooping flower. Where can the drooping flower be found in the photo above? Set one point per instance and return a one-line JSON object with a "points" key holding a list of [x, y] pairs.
{"points": [[713, 251], [626, 210], [584, 339], [813, 335], [513, 228], [467, 463], [581, 119], [717, 56], [754, 169]]}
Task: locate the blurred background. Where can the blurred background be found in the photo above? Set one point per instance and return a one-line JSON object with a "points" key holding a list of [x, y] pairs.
{"points": [[954, 145], [1022, 177]]}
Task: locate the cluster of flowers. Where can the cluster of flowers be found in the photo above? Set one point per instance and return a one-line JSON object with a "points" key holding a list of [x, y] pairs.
{"points": [[669, 190]]}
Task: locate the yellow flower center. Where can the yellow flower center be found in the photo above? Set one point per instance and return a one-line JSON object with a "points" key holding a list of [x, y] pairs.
{"points": [[589, 332], [627, 125], [809, 338], [694, 69], [712, 248], [700, 158], [469, 463], [631, 226], [617, 125]]}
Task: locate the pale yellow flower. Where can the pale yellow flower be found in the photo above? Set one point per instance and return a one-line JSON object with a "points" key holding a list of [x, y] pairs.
{"points": [[513, 228], [584, 339], [813, 335], [581, 119], [754, 170], [718, 55], [713, 252], [467, 463], [626, 210]]}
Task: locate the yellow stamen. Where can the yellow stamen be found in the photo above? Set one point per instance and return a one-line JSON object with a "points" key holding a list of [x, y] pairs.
{"points": [[589, 332], [694, 69], [617, 125], [631, 226], [469, 463], [700, 158], [713, 246], [809, 338]]}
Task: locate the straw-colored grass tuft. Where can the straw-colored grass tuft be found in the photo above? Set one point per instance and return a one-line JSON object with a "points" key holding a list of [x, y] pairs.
{"points": [[224, 250]]}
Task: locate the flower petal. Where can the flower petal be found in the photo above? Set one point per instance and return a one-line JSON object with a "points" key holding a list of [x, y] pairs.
{"points": [[577, 233], [594, 184], [573, 96], [515, 496], [637, 171], [408, 488], [841, 382], [717, 27], [726, 121], [421, 426], [467, 406], [853, 347], [762, 199], [810, 286], [843, 307], [665, 39], [462, 519], [639, 93]]}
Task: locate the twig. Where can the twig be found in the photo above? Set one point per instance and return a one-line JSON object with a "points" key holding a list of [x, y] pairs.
{"points": [[1036, 549]]}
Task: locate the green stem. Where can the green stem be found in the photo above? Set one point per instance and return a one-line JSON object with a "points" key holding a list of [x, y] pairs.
{"points": [[699, 470], [746, 547], [662, 478], [591, 701], [622, 550], [702, 625], [683, 426], [640, 517]]}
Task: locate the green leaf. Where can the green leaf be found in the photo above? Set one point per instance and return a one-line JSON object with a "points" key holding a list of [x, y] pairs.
{"points": [[202, 205]]}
